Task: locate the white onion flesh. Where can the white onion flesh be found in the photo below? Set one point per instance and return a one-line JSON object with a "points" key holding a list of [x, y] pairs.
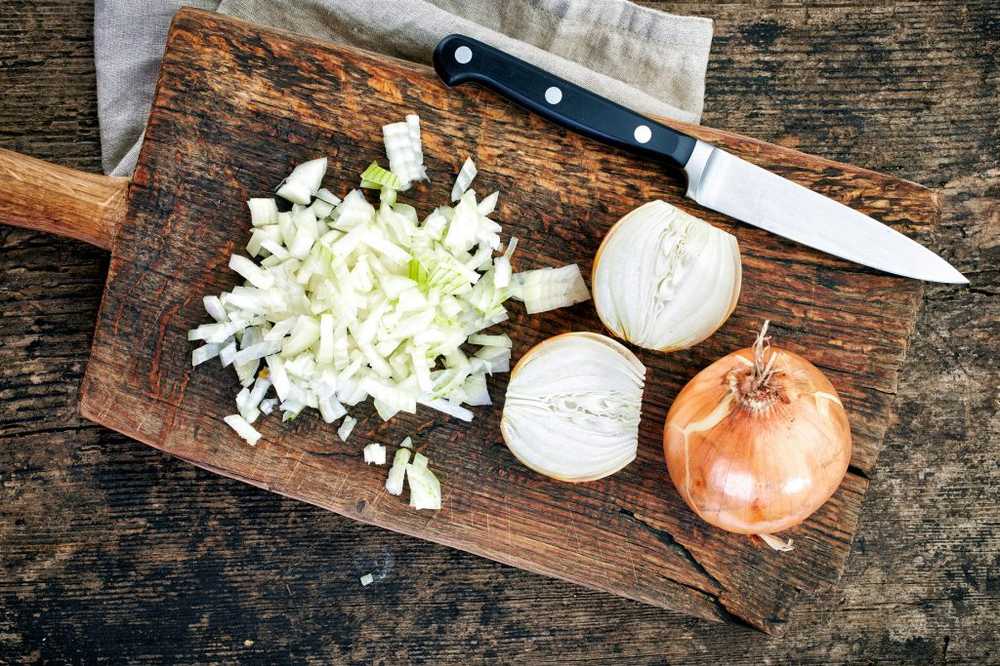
{"points": [[346, 428], [425, 489], [263, 212], [403, 148], [397, 473], [573, 407], [550, 288], [664, 279], [243, 428], [465, 177], [374, 454]]}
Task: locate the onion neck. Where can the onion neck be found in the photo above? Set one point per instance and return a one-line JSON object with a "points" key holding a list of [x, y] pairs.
{"points": [[757, 387]]}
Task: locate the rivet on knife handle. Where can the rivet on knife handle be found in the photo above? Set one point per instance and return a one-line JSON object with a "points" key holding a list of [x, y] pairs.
{"points": [[459, 59]]}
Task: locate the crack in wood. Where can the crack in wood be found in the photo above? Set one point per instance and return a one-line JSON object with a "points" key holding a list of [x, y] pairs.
{"points": [[717, 599], [857, 471], [668, 539]]}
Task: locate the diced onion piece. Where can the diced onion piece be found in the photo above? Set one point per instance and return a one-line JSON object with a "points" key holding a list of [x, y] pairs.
{"points": [[476, 391], [498, 358], [256, 351], [346, 427], [511, 246], [502, 272], [325, 352], [354, 210], [227, 354], [296, 192], [214, 308], [375, 177], [397, 473], [311, 173], [395, 398], [251, 272], [243, 428], [413, 125], [464, 224], [286, 232], [374, 454], [448, 408], [259, 390], [305, 233], [489, 204], [245, 372], [425, 489], [263, 211], [405, 155], [278, 376], [321, 209], [291, 408], [304, 180], [281, 329], [330, 409], [326, 196], [304, 334], [367, 580], [550, 288], [491, 340], [465, 176], [407, 443], [242, 397], [205, 353], [216, 333], [435, 223]]}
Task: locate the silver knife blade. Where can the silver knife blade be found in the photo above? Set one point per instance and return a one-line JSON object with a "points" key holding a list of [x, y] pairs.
{"points": [[727, 184]]}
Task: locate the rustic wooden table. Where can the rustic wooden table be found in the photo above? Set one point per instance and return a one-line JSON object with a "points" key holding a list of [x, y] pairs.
{"points": [[112, 551]]}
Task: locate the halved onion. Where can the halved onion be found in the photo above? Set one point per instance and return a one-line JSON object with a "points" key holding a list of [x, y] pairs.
{"points": [[664, 279], [573, 407]]}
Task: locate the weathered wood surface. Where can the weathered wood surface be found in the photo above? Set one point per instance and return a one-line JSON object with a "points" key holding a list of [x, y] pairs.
{"points": [[94, 566], [235, 106]]}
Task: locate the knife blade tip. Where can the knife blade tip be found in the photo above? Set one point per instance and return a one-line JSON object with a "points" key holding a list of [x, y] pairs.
{"points": [[947, 274]]}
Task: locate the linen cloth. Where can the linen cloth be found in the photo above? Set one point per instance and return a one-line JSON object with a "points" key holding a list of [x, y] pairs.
{"points": [[647, 60]]}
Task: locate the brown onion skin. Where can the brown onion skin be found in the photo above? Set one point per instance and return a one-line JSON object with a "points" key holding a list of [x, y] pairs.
{"points": [[758, 472]]}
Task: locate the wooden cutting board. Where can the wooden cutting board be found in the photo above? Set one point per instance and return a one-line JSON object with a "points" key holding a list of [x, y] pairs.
{"points": [[236, 106]]}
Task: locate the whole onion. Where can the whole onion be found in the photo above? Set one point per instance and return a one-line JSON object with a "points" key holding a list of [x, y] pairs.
{"points": [[757, 441]]}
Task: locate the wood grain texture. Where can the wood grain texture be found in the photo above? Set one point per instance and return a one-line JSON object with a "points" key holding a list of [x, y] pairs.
{"points": [[255, 102], [57, 200], [112, 551]]}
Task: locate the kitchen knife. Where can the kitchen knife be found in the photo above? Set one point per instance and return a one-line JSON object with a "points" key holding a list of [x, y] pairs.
{"points": [[716, 179]]}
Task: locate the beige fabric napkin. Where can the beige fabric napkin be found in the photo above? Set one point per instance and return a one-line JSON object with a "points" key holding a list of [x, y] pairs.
{"points": [[645, 59]]}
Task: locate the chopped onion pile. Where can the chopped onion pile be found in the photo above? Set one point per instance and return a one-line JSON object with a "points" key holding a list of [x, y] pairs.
{"points": [[345, 301]]}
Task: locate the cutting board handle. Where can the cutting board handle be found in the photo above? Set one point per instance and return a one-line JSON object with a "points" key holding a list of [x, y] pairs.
{"points": [[47, 197]]}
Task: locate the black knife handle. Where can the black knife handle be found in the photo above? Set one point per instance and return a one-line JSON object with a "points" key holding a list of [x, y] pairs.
{"points": [[458, 59]]}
